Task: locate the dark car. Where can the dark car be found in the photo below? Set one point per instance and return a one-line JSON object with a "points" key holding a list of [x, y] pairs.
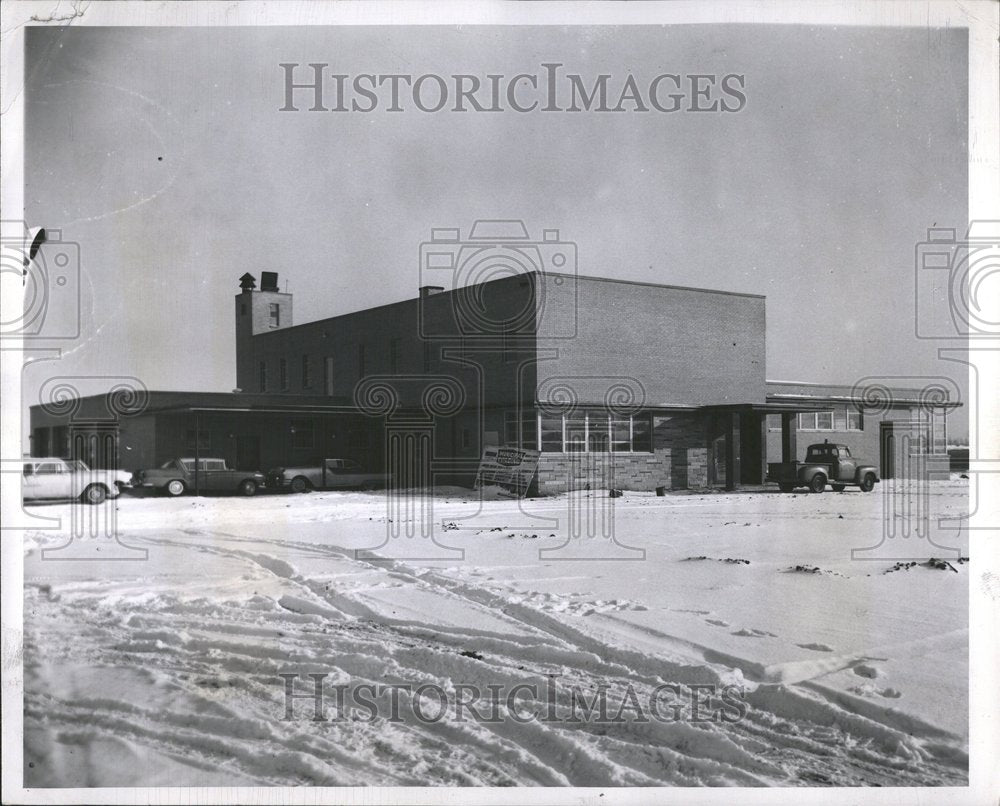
{"points": [[178, 476]]}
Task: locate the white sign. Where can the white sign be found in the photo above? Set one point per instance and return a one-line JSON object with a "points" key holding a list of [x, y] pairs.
{"points": [[511, 468]]}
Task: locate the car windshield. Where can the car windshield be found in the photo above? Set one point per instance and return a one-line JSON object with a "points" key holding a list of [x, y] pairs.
{"points": [[77, 466]]}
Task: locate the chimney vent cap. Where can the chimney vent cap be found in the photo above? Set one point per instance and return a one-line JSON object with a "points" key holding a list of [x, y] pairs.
{"points": [[247, 282]]}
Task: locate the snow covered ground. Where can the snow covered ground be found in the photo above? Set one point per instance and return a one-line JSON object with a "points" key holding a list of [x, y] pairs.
{"points": [[165, 671]]}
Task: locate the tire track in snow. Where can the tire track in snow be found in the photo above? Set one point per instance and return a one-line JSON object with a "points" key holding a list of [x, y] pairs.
{"points": [[782, 738]]}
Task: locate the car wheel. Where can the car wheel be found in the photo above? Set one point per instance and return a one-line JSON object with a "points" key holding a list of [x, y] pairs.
{"points": [[786, 488], [175, 487], [817, 483], [94, 494], [838, 488], [300, 485], [247, 487], [868, 483]]}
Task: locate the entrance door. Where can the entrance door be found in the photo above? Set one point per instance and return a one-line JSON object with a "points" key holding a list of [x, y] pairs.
{"points": [[753, 448], [248, 453], [887, 449]]}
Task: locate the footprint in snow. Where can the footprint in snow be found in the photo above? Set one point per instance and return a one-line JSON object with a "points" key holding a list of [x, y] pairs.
{"points": [[816, 647], [745, 633], [867, 670], [868, 690]]}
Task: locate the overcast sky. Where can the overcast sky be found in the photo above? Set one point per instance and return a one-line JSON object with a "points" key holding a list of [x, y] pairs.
{"points": [[163, 154]]}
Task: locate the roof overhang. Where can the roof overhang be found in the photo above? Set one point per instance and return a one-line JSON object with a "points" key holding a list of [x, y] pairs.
{"points": [[770, 408], [256, 410], [835, 400]]}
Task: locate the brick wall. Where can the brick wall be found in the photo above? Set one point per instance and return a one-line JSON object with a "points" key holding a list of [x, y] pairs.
{"points": [[679, 460], [686, 347]]}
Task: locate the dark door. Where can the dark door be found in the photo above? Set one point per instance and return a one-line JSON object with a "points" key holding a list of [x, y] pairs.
{"points": [[753, 448], [248, 452], [887, 450]]}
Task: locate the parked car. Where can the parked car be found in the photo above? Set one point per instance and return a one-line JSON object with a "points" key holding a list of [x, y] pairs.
{"points": [[178, 476], [825, 463], [51, 478], [326, 474]]}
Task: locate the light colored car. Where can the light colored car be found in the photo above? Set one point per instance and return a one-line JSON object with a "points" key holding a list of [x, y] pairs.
{"points": [[176, 476], [328, 474], [52, 478]]}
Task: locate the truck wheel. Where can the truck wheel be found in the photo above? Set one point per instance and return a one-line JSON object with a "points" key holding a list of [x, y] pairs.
{"points": [[175, 488], [868, 483], [94, 494], [786, 488], [300, 485], [247, 487], [817, 483], [838, 488]]}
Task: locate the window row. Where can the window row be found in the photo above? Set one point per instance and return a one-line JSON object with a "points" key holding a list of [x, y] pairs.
{"points": [[302, 432], [364, 364], [305, 374], [584, 432], [842, 418]]}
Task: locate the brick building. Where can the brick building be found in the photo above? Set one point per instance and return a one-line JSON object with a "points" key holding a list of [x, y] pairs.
{"points": [[637, 385]]}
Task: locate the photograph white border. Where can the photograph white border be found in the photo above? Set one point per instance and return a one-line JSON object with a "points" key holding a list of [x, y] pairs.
{"points": [[981, 19]]}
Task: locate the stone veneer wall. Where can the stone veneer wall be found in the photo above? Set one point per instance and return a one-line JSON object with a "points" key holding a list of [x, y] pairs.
{"points": [[679, 460]]}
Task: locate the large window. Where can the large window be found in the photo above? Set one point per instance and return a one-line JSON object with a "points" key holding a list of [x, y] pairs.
{"points": [[303, 434], [306, 372], [842, 418], [262, 376], [274, 315], [202, 440], [283, 373], [582, 432], [328, 374]]}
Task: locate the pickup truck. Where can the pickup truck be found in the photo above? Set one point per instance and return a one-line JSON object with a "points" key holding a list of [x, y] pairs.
{"points": [[177, 476], [326, 474], [825, 463]]}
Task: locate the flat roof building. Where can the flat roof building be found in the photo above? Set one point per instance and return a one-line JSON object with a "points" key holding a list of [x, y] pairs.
{"points": [[634, 384]]}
